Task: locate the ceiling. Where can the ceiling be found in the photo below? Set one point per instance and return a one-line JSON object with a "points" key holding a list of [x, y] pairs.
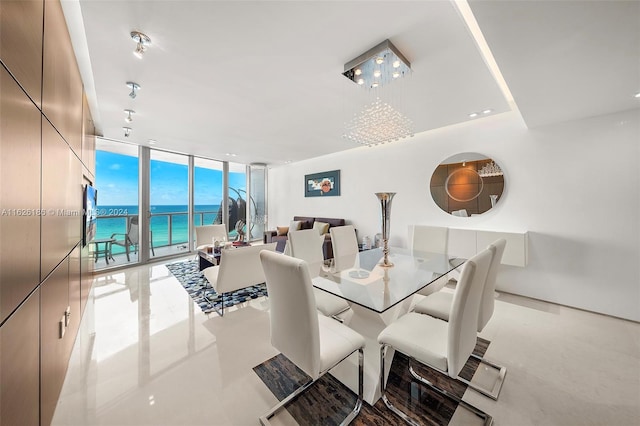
{"points": [[262, 80]]}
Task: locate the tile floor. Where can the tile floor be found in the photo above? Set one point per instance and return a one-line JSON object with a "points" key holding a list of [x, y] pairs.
{"points": [[146, 355]]}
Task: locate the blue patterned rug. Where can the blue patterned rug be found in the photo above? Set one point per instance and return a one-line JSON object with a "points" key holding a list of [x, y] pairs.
{"points": [[189, 275]]}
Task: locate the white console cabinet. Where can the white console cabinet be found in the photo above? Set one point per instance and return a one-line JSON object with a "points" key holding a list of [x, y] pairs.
{"points": [[468, 242]]}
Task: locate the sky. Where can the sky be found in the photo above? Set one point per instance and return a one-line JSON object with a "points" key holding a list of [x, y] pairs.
{"points": [[117, 182]]}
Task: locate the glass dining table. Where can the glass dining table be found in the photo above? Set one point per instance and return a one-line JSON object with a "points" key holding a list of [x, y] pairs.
{"points": [[378, 296]]}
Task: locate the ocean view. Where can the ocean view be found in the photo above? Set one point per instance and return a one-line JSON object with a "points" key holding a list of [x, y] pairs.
{"points": [[113, 219]]}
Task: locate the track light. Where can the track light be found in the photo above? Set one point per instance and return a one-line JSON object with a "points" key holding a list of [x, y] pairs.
{"points": [[133, 86], [143, 41], [129, 118], [127, 131]]}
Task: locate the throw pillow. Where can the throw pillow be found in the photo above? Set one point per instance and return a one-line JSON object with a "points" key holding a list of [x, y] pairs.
{"points": [[294, 225], [321, 227], [282, 230]]}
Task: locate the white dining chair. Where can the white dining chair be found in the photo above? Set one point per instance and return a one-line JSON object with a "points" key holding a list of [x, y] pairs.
{"points": [[345, 247], [239, 268], [439, 345], [438, 305], [310, 340], [431, 239], [306, 244]]}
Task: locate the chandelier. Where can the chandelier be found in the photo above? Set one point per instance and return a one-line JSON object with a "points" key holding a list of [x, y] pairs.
{"points": [[378, 123], [490, 169], [379, 72]]}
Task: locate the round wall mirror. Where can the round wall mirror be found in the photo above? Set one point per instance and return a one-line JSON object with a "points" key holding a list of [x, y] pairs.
{"points": [[467, 184]]}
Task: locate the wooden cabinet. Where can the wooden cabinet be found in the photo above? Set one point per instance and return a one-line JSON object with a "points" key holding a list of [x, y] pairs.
{"points": [[20, 365], [54, 347], [19, 195], [21, 43], [61, 82]]}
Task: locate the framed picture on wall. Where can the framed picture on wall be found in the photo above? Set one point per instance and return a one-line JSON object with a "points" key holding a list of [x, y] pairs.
{"points": [[325, 184]]}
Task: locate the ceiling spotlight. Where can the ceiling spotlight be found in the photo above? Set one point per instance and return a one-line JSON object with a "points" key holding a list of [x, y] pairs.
{"points": [[396, 64], [473, 115], [374, 84], [377, 73], [395, 74], [359, 71], [133, 86], [637, 95], [361, 81], [143, 41], [129, 118], [379, 60], [127, 131], [487, 111]]}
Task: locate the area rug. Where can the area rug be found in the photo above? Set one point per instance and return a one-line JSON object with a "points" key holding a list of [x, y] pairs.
{"points": [[328, 401], [194, 282]]}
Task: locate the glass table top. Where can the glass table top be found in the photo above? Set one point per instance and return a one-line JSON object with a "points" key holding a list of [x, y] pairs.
{"points": [[379, 288]]}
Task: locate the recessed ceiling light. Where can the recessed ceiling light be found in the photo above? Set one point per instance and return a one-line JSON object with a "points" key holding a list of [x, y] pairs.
{"points": [[229, 154], [152, 141], [376, 73], [374, 84], [637, 95], [395, 74], [396, 64], [361, 81], [487, 111], [358, 71], [473, 115], [379, 60]]}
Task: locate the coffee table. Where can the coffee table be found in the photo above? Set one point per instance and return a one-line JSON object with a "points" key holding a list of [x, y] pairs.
{"points": [[207, 260]]}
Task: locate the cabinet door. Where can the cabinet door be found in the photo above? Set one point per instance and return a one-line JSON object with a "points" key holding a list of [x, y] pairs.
{"points": [[55, 350], [19, 195], [21, 43], [515, 252], [20, 365]]}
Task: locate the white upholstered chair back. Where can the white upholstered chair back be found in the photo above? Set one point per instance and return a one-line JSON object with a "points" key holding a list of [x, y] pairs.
{"points": [[206, 233], [433, 239], [239, 268], [488, 298], [345, 246], [294, 319], [306, 244], [463, 319]]}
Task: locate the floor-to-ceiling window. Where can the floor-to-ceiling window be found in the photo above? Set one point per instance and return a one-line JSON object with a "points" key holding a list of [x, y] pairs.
{"points": [[165, 195], [117, 207], [238, 200], [169, 203], [258, 190], [208, 192]]}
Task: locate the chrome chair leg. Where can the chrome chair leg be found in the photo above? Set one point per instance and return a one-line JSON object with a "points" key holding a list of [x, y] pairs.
{"points": [[264, 419], [495, 392], [383, 391], [488, 420]]}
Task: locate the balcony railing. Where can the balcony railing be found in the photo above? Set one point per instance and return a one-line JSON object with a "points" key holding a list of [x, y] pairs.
{"points": [[173, 230]]}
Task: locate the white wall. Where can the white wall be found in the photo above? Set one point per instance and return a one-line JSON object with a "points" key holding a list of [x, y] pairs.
{"points": [[574, 186]]}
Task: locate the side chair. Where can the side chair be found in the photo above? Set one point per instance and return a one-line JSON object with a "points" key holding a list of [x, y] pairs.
{"points": [[438, 305], [439, 345], [310, 340]]}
